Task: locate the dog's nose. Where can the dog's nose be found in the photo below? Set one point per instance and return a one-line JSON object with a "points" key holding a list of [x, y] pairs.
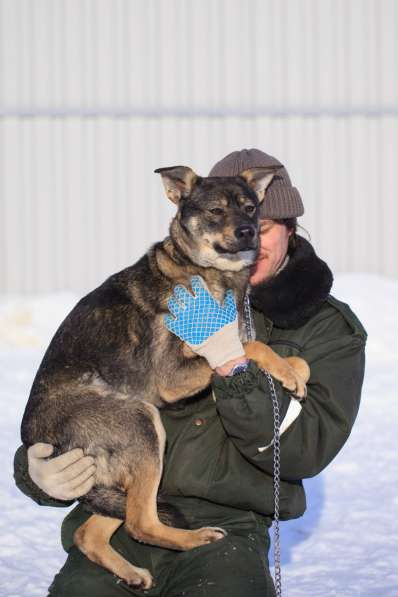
{"points": [[245, 232]]}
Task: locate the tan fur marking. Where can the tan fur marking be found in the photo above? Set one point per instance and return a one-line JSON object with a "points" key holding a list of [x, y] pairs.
{"points": [[300, 366], [93, 537], [288, 372], [160, 430], [259, 179], [142, 521], [199, 378], [188, 352], [178, 181], [134, 338], [171, 269]]}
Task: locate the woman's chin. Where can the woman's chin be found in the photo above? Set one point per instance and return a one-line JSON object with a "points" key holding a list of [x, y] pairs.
{"points": [[260, 272]]}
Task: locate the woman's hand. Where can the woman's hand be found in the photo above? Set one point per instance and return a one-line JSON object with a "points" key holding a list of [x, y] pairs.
{"points": [[65, 477]]}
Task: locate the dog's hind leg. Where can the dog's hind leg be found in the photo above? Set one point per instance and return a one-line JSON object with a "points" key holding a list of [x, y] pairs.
{"points": [[142, 520], [93, 537]]}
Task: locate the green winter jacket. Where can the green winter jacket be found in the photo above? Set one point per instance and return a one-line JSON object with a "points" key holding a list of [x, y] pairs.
{"points": [[219, 445]]}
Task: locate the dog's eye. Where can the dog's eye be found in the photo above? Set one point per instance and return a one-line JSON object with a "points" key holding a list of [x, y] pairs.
{"points": [[249, 209], [217, 211]]}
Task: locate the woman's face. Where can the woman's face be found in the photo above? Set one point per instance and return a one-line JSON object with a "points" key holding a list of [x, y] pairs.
{"points": [[274, 240]]}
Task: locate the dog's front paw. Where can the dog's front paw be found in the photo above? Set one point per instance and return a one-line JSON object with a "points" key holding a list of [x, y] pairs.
{"points": [[290, 380], [139, 578], [206, 535], [211, 534]]}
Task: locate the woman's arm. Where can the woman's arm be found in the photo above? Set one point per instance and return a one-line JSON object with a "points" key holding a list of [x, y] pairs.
{"points": [[313, 433]]}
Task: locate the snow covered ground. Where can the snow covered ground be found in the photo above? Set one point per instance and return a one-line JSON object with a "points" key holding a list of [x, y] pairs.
{"points": [[347, 542]]}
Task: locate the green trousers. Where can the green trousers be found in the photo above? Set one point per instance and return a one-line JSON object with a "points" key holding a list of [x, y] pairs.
{"points": [[235, 566]]}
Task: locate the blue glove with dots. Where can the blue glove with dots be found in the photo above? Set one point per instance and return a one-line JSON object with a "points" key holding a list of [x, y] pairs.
{"points": [[209, 328]]}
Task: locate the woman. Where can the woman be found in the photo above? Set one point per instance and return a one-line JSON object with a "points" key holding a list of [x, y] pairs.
{"points": [[219, 459]]}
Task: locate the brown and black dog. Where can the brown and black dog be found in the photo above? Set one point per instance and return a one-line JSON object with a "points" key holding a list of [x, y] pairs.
{"points": [[112, 363]]}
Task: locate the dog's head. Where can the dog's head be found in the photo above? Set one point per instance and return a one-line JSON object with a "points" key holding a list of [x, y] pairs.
{"points": [[216, 224]]}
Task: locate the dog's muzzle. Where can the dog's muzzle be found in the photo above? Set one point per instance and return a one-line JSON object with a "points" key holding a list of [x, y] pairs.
{"points": [[245, 240]]}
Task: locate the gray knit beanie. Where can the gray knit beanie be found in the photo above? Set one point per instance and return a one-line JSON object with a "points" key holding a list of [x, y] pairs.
{"points": [[282, 200]]}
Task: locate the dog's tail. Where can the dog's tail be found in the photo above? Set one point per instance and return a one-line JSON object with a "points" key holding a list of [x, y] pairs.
{"points": [[110, 501], [170, 514]]}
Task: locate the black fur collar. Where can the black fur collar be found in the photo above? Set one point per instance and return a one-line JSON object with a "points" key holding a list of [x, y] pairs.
{"points": [[298, 291]]}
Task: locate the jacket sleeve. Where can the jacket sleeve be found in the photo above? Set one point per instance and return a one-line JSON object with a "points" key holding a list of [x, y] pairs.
{"points": [[314, 432], [28, 487]]}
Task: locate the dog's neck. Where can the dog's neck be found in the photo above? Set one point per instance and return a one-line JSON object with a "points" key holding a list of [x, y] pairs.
{"points": [[178, 267]]}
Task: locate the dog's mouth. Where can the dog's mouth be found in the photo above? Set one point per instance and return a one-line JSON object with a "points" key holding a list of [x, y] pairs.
{"points": [[234, 250], [232, 258]]}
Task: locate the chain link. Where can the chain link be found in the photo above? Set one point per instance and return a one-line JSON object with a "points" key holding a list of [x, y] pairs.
{"points": [[277, 453]]}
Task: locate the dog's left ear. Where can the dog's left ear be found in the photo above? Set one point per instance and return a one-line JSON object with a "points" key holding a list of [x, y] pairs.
{"points": [[178, 181], [259, 179]]}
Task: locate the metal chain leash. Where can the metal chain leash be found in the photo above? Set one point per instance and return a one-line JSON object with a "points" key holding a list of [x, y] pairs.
{"points": [[277, 452], [277, 460]]}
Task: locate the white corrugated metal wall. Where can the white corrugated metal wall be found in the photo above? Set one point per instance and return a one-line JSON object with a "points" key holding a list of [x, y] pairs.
{"points": [[95, 94]]}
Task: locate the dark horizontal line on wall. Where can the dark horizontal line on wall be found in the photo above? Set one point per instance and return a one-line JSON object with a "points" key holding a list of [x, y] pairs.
{"points": [[180, 113]]}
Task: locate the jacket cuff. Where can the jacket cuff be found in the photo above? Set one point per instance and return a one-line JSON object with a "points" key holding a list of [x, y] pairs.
{"points": [[236, 386], [28, 487], [244, 403]]}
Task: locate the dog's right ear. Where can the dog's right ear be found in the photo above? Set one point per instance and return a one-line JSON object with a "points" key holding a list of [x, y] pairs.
{"points": [[178, 181]]}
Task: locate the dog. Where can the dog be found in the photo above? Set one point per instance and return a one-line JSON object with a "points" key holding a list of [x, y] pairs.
{"points": [[112, 363]]}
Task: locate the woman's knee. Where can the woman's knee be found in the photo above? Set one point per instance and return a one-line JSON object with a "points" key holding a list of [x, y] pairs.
{"points": [[236, 565]]}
